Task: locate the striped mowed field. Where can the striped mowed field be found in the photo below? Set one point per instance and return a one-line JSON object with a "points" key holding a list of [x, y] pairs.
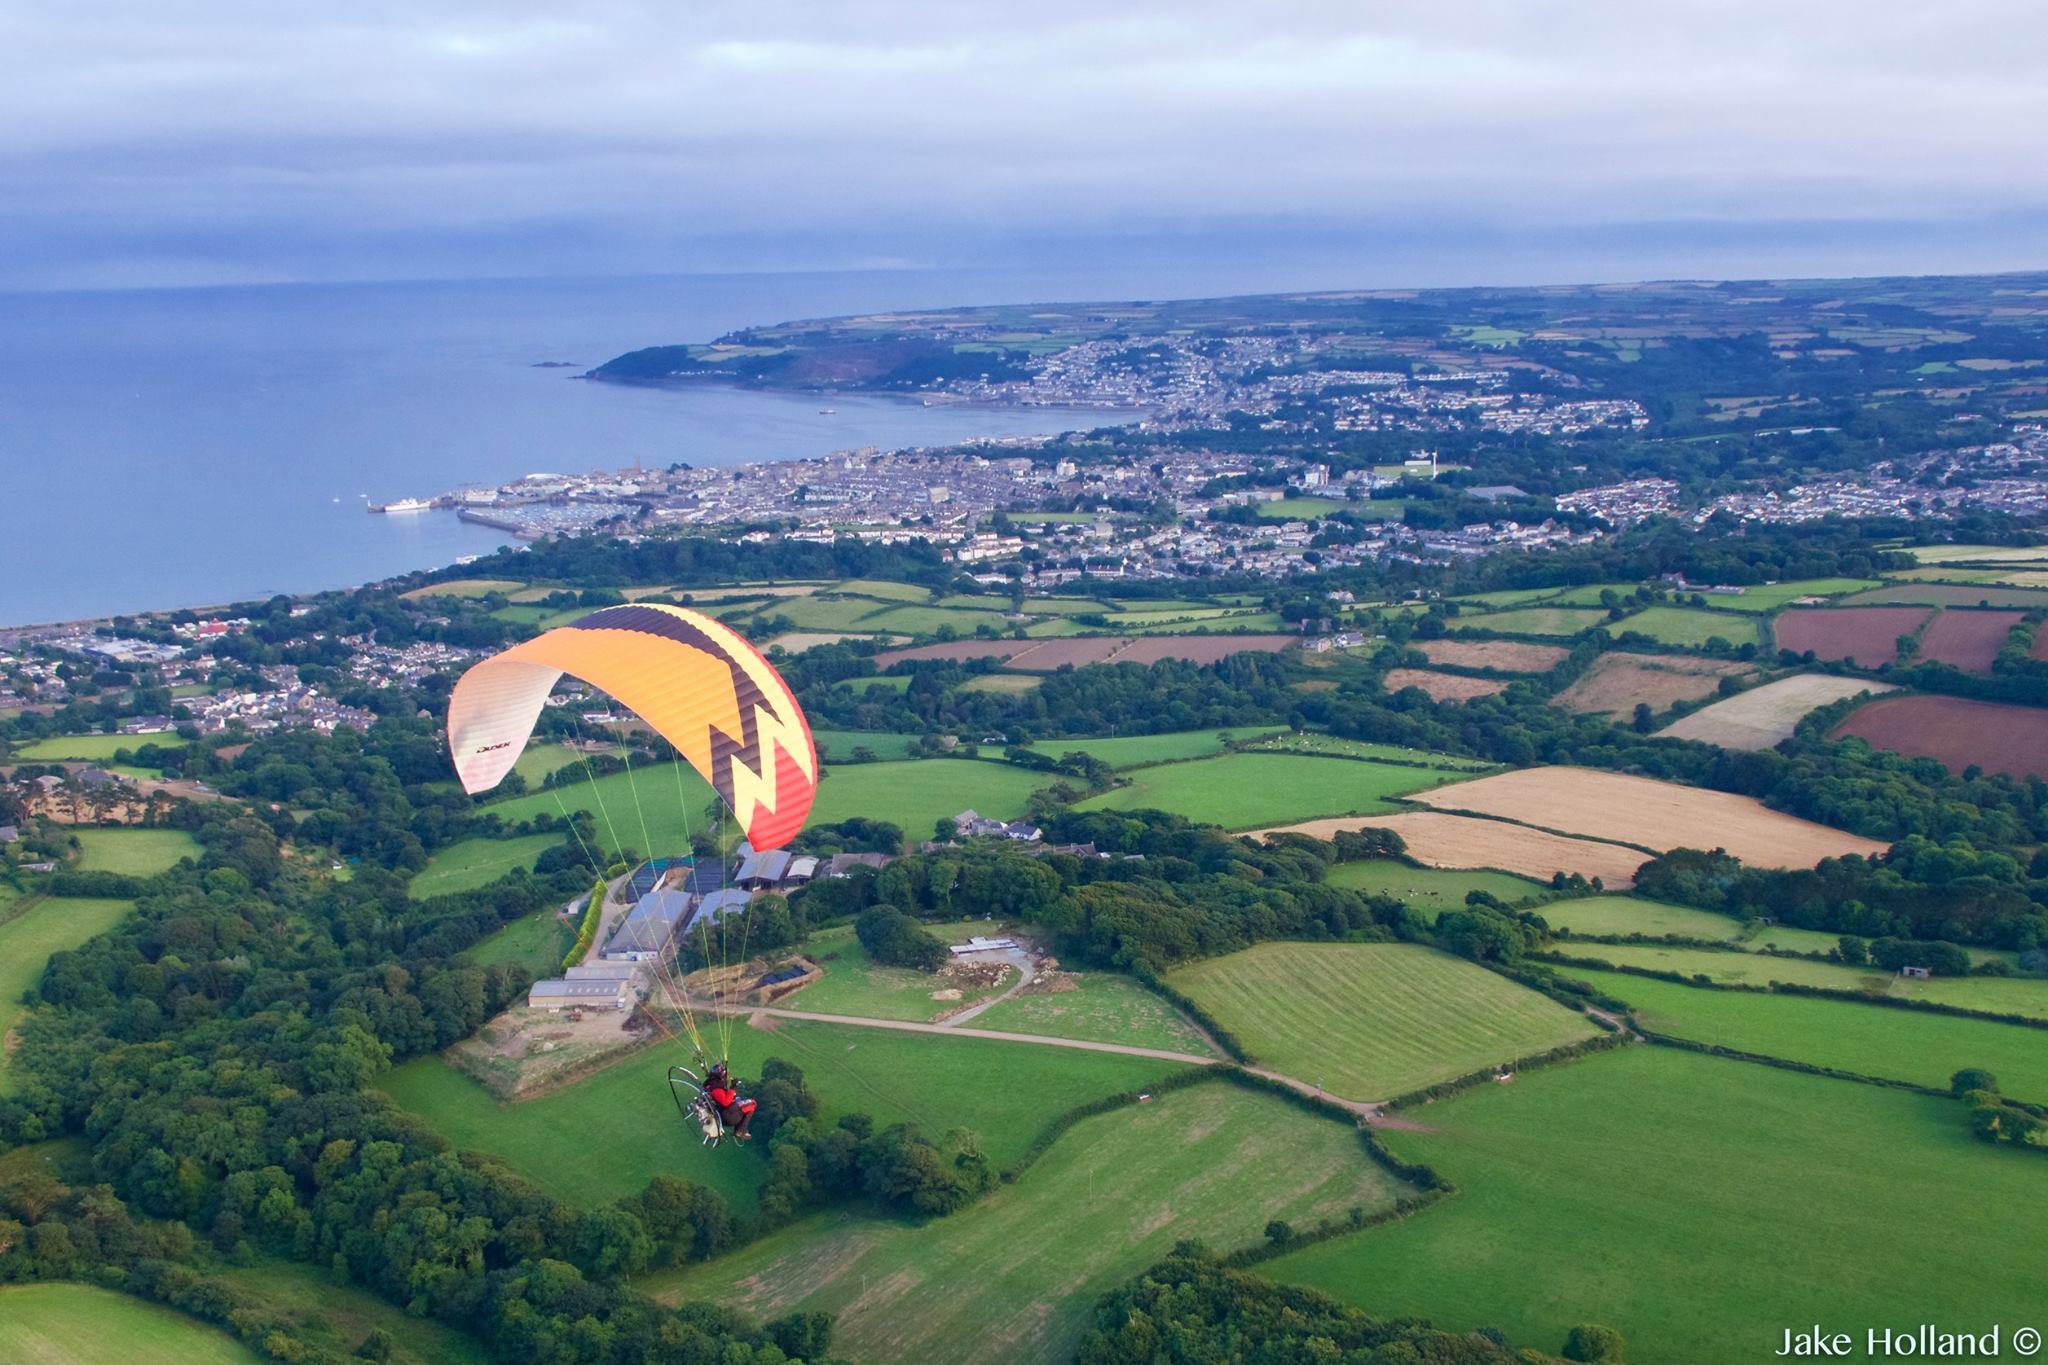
{"points": [[1369, 1021]]}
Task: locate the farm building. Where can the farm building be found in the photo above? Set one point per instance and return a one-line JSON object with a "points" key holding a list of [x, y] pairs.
{"points": [[978, 944], [973, 824], [843, 864], [590, 995], [775, 870], [718, 905], [652, 874], [603, 971], [648, 926]]}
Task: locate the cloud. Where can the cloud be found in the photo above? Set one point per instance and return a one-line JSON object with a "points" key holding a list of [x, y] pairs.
{"points": [[242, 140]]}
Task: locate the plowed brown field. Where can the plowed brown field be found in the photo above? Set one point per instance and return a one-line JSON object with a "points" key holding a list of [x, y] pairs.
{"points": [[1958, 732], [1968, 639], [1869, 635]]}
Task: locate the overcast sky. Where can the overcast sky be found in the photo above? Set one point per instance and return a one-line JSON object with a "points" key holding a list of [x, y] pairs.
{"points": [[253, 140]]}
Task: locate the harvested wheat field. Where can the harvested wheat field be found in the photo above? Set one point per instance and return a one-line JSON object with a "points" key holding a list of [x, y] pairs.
{"points": [[1442, 686], [1435, 839], [1509, 656], [1617, 683], [1649, 813], [958, 650], [1762, 716]]}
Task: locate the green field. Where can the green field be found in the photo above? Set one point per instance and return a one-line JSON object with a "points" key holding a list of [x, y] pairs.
{"points": [[1131, 751], [539, 940], [1999, 995], [42, 927], [1685, 626], [1336, 746], [336, 1317], [89, 748], [840, 744], [930, 620], [1369, 1021], [883, 589], [78, 1324], [133, 852], [1105, 1008], [855, 984], [1005, 683], [1534, 621], [912, 795], [604, 1137], [1246, 791], [1769, 597], [1430, 890], [538, 761], [472, 863], [1300, 509], [1700, 1207], [1620, 916], [1511, 597], [1867, 1039], [1015, 1277]]}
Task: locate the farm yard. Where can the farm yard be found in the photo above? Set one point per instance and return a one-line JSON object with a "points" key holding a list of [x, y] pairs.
{"points": [[1209, 1161], [1440, 840], [855, 984], [1442, 686], [1371, 1021], [1869, 635], [1925, 1049], [1763, 716], [1561, 1195], [1648, 813], [1618, 682], [1506, 656], [1246, 790], [1956, 731]]}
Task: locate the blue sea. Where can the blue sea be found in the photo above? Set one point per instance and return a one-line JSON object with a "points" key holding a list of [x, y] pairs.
{"points": [[197, 446]]}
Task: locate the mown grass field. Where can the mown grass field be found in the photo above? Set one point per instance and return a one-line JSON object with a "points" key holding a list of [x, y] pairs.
{"points": [[89, 748], [1131, 751], [1314, 742], [1016, 1276], [1369, 1021], [856, 984], [42, 927], [1246, 791], [133, 852], [79, 1324], [539, 940], [1429, 890], [912, 795], [1869, 1040], [2001, 995], [472, 863], [605, 1136], [1620, 916], [1768, 597], [538, 761], [1688, 627], [1300, 509], [1106, 1008], [1700, 1207]]}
